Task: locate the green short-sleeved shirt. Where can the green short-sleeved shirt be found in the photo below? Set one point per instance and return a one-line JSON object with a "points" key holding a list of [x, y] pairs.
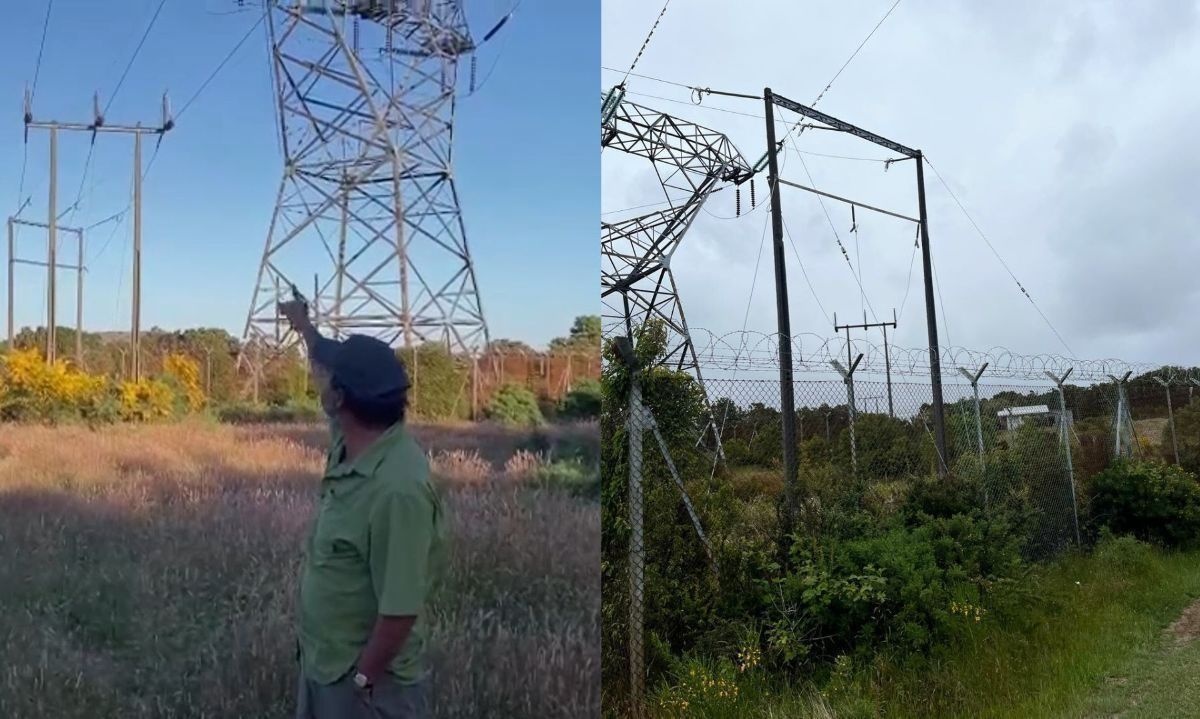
{"points": [[376, 547]]}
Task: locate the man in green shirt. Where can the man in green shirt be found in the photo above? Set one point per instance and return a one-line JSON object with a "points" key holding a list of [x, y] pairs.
{"points": [[375, 546]]}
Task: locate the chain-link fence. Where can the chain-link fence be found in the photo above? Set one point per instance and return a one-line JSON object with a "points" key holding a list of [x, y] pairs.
{"points": [[1027, 447], [1022, 439]]}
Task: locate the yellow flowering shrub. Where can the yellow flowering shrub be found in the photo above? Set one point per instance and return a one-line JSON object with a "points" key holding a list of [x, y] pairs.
{"points": [[185, 371], [146, 400], [32, 389]]}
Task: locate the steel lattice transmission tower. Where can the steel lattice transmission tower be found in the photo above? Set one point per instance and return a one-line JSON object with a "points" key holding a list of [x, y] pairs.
{"points": [[367, 213], [636, 282]]}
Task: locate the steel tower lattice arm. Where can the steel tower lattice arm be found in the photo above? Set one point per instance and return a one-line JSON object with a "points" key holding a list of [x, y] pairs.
{"points": [[367, 201], [636, 281]]}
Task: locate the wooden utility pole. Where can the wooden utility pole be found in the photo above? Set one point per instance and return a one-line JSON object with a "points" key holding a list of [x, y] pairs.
{"points": [[52, 265], [784, 324], [52, 250], [98, 125], [11, 265], [135, 322]]}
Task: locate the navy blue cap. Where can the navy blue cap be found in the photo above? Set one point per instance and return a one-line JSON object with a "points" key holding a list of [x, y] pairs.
{"points": [[362, 366]]}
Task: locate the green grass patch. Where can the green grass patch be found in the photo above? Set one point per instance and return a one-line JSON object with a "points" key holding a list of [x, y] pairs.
{"points": [[1083, 636], [1079, 619], [1162, 682]]}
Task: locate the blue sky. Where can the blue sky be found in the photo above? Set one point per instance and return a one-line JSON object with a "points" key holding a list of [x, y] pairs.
{"points": [[526, 162]]}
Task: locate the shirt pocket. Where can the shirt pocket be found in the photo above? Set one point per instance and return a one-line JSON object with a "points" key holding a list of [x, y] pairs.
{"points": [[334, 550]]}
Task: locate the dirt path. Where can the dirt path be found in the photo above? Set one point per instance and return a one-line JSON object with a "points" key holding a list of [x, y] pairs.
{"points": [[1160, 683], [1186, 628]]}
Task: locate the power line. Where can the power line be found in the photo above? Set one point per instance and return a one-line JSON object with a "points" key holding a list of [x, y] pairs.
{"points": [[629, 73], [220, 65], [120, 216], [836, 75], [653, 204], [37, 71], [857, 257], [991, 247], [87, 163], [838, 237], [693, 104], [805, 273], [499, 53], [855, 53], [908, 283], [937, 281], [646, 42], [757, 264], [136, 51], [698, 93]]}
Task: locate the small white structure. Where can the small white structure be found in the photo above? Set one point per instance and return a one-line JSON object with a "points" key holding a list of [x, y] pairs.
{"points": [[1040, 414]]}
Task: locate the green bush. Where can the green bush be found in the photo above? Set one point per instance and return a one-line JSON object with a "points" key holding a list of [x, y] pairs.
{"points": [[514, 406], [683, 597], [440, 383], [901, 587], [572, 476], [583, 402], [1152, 501], [885, 447], [294, 412], [1187, 429]]}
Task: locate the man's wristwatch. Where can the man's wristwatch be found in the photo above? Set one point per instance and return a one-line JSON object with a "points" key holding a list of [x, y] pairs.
{"points": [[361, 681]]}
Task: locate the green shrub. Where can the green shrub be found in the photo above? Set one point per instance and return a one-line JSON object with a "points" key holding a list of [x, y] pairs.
{"points": [[751, 482], [293, 412], [1187, 430], [885, 447], [572, 476], [514, 406], [868, 582], [583, 402], [440, 383], [1152, 501]]}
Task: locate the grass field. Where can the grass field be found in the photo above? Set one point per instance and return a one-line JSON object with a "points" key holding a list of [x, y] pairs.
{"points": [[1112, 635], [151, 572], [1087, 618]]}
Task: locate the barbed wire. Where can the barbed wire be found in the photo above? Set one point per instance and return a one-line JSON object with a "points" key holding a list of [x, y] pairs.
{"points": [[759, 351]]}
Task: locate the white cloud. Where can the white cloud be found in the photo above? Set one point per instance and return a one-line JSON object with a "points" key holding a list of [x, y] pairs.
{"points": [[1067, 129]]}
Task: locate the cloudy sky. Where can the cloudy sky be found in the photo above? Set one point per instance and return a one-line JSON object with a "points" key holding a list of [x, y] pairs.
{"points": [[1067, 129]]}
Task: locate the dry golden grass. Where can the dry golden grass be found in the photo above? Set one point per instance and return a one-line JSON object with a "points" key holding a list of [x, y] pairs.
{"points": [[151, 572]]}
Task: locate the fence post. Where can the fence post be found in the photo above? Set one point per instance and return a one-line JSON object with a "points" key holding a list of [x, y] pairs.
{"points": [[1170, 417], [637, 675], [974, 380], [1066, 445], [848, 378], [637, 672], [1121, 411], [474, 388]]}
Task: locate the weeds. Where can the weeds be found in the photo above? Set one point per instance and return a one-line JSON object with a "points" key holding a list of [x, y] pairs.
{"points": [[151, 572]]}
